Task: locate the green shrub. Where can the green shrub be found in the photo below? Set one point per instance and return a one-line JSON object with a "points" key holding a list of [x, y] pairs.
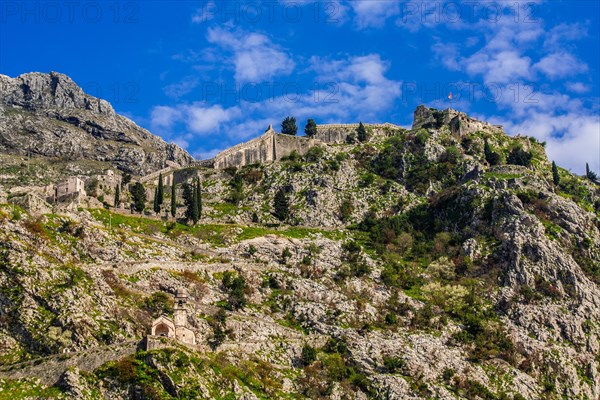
{"points": [[391, 319], [518, 156], [158, 303], [314, 154], [339, 157], [366, 180], [447, 374], [393, 364], [332, 165], [389, 163], [422, 137], [336, 367], [346, 209], [235, 287], [309, 355], [336, 345], [252, 250]]}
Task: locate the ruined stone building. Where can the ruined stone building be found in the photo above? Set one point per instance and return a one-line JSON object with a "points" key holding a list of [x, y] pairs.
{"points": [[108, 181], [176, 328], [72, 186]]}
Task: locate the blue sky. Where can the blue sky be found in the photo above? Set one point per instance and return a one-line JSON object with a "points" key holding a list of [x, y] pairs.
{"points": [[209, 74]]}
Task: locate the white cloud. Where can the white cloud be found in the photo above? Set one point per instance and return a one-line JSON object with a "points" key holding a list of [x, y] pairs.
{"points": [[204, 120], [202, 154], [448, 55], [564, 33], [572, 139], [176, 90], [198, 118], [164, 117], [501, 67], [560, 65], [577, 87], [206, 12], [255, 57], [373, 13], [358, 86]]}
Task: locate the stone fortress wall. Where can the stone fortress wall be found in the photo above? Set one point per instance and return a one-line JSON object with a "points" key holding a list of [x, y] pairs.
{"points": [[272, 146], [338, 133]]}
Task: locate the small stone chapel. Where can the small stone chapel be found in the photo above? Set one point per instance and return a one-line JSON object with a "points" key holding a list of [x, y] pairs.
{"points": [[176, 328]]}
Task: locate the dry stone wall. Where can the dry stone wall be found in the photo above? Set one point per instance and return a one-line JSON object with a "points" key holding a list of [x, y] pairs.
{"points": [[49, 369]]}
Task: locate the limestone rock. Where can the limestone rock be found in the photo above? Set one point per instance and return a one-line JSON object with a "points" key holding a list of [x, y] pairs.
{"points": [[49, 115]]}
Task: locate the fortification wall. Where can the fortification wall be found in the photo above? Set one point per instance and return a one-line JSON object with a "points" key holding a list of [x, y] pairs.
{"points": [[338, 133], [271, 146], [260, 149], [286, 144], [49, 369], [459, 122]]}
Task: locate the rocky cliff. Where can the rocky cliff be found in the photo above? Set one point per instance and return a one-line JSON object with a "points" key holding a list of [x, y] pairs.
{"points": [[48, 115], [421, 264]]}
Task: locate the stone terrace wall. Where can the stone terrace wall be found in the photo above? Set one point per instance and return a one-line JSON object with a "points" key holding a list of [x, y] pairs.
{"points": [[49, 369], [337, 133]]}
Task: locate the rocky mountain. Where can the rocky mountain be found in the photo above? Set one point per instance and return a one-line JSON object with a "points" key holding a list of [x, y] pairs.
{"points": [[440, 262], [48, 115]]}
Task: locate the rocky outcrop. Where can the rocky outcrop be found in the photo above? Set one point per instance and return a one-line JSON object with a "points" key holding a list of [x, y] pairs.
{"points": [[459, 123], [48, 115]]}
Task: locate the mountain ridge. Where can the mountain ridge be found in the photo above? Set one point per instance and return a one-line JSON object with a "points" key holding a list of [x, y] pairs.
{"points": [[48, 115]]}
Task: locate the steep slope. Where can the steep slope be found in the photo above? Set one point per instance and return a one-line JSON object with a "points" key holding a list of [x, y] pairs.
{"points": [[438, 262], [49, 115]]}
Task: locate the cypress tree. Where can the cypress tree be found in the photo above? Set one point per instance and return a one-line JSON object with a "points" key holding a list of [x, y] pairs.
{"points": [[156, 205], [591, 175], [199, 202], [311, 128], [587, 170], [139, 196], [281, 205], [491, 157], [194, 204], [117, 196], [555, 176], [188, 199], [288, 126], [173, 199], [160, 191], [361, 133]]}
